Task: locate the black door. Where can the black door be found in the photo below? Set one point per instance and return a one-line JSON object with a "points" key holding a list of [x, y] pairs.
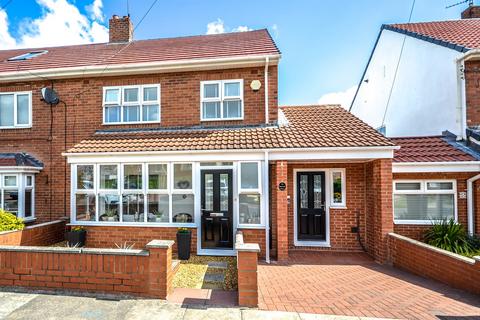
{"points": [[311, 206], [217, 209]]}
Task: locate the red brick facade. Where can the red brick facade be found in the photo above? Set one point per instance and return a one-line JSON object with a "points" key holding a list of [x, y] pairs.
{"points": [[416, 231], [180, 106], [44, 234], [472, 92]]}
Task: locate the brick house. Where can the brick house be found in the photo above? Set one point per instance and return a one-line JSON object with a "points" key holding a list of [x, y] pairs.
{"points": [[152, 135], [426, 75]]}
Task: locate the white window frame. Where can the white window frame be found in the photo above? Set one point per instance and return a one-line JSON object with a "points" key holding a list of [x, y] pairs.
{"points": [[222, 98], [20, 187], [15, 110], [121, 190], [141, 103], [255, 191], [424, 190], [342, 204]]}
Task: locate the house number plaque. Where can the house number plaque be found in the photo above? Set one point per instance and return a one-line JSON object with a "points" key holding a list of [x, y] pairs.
{"points": [[282, 186]]}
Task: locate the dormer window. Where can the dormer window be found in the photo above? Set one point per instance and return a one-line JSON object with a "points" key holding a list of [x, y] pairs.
{"points": [[221, 100], [131, 104], [28, 55]]}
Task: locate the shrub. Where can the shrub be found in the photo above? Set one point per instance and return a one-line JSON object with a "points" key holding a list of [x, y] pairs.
{"points": [[9, 221], [450, 236]]}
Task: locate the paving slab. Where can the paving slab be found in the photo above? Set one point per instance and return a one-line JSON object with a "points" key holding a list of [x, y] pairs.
{"points": [[217, 264], [153, 309], [251, 314], [211, 313], [9, 302]]}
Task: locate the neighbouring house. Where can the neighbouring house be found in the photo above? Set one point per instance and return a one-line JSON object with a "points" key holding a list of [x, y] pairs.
{"points": [[420, 88], [152, 135]]}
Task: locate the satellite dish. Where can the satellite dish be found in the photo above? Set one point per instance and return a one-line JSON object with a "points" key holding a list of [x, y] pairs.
{"points": [[50, 96]]}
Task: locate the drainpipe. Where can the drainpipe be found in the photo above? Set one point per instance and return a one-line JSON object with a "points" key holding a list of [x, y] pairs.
{"points": [[461, 103], [267, 60], [470, 202], [266, 184]]}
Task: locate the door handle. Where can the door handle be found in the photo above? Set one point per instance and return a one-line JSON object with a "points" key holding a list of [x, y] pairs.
{"points": [[209, 219]]}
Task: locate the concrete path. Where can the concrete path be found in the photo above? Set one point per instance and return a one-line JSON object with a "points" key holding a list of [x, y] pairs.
{"points": [[46, 307]]}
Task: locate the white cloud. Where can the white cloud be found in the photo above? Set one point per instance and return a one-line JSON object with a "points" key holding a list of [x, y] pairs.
{"points": [[218, 26], [241, 29], [61, 23], [95, 10], [343, 98], [275, 30]]}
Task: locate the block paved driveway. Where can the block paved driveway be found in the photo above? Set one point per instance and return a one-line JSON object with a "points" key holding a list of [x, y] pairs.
{"points": [[354, 285]]}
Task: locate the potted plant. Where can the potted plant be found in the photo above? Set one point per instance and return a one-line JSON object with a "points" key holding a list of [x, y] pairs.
{"points": [[76, 237], [184, 239], [110, 215]]}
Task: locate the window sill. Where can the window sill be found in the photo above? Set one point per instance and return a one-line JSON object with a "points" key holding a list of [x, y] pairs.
{"points": [[339, 207], [29, 220], [127, 123], [225, 119], [134, 224], [255, 226], [19, 127], [414, 222]]}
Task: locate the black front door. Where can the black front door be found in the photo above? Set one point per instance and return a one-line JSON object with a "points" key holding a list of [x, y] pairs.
{"points": [[217, 209], [311, 206]]}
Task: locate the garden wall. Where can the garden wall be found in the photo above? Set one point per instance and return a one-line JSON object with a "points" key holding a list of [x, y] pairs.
{"points": [[147, 273], [43, 234], [431, 262]]}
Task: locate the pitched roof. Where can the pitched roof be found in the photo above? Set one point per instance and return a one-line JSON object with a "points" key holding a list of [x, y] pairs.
{"points": [[19, 160], [428, 149], [308, 127], [461, 35], [257, 42]]}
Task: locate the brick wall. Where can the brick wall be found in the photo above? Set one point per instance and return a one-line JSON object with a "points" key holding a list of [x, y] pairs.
{"points": [[472, 92], [247, 271], [434, 263], [255, 236], [126, 272], [180, 106], [107, 237], [416, 231], [120, 29], [44, 234], [379, 213]]}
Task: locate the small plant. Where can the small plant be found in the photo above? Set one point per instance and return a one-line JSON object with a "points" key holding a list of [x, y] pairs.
{"points": [[125, 246], [450, 236], [110, 213], [78, 229], [69, 245], [10, 222], [183, 230]]}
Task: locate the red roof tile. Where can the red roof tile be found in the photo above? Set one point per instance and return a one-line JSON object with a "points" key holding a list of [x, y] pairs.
{"points": [[464, 32], [428, 149], [308, 127], [237, 44]]}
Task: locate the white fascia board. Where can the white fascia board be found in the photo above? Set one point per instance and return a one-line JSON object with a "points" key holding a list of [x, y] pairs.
{"points": [[469, 55], [365, 153], [459, 166], [19, 169], [141, 68]]}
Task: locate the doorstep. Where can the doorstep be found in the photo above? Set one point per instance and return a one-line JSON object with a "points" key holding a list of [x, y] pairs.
{"points": [[203, 297]]}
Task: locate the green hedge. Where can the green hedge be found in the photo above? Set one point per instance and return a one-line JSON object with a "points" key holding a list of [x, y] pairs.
{"points": [[10, 222]]}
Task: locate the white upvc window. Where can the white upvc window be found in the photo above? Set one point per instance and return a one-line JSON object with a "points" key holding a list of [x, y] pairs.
{"points": [[131, 104], [424, 201], [221, 100], [17, 194], [249, 194], [338, 188], [133, 193], [15, 110]]}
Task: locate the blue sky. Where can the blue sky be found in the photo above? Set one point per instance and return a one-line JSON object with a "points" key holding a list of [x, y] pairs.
{"points": [[325, 43]]}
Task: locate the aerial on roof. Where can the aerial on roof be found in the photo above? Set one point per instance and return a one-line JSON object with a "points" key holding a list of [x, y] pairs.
{"points": [[306, 127], [461, 35], [227, 45], [19, 160], [428, 149]]}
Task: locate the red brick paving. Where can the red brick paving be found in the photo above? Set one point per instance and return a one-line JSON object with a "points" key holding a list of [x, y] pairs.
{"points": [[352, 284]]}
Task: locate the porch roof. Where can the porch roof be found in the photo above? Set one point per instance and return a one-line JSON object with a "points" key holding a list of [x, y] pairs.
{"points": [[303, 127], [19, 160], [429, 149]]}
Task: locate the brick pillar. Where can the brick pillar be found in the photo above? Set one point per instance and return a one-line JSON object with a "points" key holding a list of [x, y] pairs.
{"points": [[247, 266], [381, 171], [281, 169], [160, 274]]}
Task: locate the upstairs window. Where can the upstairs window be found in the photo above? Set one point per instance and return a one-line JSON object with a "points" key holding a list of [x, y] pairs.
{"points": [[131, 104], [15, 110], [222, 100]]}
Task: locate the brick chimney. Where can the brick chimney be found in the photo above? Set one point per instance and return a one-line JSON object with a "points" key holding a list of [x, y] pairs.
{"points": [[120, 29], [471, 12]]}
